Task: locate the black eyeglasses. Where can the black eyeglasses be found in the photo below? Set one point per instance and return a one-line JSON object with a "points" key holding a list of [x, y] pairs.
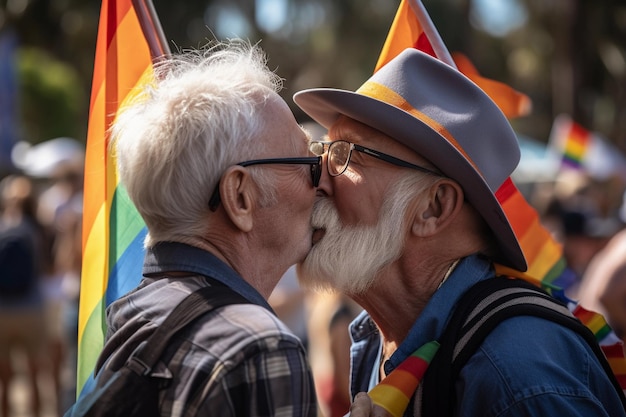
{"points": [[314, 161], [340, 151]]}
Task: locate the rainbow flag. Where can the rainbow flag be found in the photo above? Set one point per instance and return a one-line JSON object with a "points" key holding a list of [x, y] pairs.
{"points": [[577, 148], [577, 142], [547, 268], [571, 140], [407, 32], [413, 28], [394, 392], [544, 255], [129, 37]]}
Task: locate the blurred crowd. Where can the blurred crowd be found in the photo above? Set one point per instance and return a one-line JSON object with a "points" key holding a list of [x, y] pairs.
{"points": [[38, 319], [587, 215], [40, 259]]}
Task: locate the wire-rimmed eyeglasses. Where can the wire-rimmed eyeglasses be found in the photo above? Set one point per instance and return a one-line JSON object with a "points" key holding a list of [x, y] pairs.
{"points": [[314, 161], [340, 151]]}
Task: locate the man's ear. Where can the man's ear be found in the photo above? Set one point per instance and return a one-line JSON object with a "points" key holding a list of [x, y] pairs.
{"points": [[237, 194], [436, 207]]}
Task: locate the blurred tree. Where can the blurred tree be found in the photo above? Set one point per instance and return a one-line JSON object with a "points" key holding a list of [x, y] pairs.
{"points": [[52, 97], [55, 62]]}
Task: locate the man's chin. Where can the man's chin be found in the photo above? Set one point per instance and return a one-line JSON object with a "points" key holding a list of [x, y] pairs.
{"points": [[321, 279], [311, 276]]}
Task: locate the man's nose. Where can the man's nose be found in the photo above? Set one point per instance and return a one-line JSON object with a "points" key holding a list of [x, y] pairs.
{"points": [[325, 187]]}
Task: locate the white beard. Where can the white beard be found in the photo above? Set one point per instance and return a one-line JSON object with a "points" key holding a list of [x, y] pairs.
{"points": [[348, 258]]}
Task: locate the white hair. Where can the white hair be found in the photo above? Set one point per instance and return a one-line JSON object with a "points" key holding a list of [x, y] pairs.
{"points": [[174, 140]]}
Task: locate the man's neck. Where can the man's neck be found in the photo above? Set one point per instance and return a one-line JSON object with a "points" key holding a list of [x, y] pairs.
{"points": [[399, 297], [247, 258]]}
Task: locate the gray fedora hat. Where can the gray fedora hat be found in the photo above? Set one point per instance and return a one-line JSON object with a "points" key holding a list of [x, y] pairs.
{"points": [[444, 117]]}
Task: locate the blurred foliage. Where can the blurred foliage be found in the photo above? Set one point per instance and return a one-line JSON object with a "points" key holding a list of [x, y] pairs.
{"points": [[569, 56], [52, 98]]}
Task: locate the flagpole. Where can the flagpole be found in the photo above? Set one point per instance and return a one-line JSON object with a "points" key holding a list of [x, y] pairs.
{"points": [[151, 27], [431, 33]]}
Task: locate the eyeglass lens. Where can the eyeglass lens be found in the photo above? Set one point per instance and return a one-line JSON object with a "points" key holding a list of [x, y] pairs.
{"points": [[338, 157]]}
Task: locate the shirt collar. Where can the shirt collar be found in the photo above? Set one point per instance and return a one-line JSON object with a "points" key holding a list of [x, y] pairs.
{"points": [[175, 256], [431, 322]]}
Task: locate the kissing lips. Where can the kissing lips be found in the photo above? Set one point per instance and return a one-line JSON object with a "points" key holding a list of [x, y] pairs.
{"points": [[318, 234]]}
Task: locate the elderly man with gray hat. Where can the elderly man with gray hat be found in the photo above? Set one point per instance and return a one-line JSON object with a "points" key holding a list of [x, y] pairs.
{"points": [[411, 222]]}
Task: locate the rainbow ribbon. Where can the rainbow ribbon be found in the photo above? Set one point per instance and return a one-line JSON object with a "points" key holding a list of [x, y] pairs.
{"points": [[394, 392]]}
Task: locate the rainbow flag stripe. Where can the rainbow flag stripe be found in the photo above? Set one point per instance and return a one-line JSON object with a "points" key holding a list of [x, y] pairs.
{"points": [[113, 231], [405, 32], [544, 255], [394, 392], [574, 142]]}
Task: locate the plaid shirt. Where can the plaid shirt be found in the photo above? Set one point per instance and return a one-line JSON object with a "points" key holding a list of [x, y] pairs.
{"points": [[238, 360]]}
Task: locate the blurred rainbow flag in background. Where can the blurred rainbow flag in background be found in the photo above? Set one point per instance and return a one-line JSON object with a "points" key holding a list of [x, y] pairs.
{"points": [[572, 139], [129, 38], [584, 150], [413, 28]]}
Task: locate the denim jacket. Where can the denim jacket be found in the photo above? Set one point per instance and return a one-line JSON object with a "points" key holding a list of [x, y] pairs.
{"points": [[526, 366]]}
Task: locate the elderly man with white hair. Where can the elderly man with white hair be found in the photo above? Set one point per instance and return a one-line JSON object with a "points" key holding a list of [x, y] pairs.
{"points": [[221, 173]]}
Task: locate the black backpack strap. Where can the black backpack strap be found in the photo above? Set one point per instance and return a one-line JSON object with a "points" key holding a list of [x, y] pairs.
{"points": [[193, 306], [131, 390], [478, 312]]}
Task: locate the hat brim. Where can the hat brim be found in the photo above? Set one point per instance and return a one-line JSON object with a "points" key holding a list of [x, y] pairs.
{"points": [[325, 105]]}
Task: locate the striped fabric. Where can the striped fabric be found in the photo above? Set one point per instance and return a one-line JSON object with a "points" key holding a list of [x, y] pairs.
{"points": [[394, 392], [544, 255], [113, 231], [571, 141], [412, 28], [585, 151]]}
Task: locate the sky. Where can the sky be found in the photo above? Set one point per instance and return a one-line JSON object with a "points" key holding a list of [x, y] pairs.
{"points": [[498, 17]]}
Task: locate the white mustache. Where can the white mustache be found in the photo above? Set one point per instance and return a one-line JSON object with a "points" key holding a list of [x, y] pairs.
{"points": [[347, 258], [325, 215]]}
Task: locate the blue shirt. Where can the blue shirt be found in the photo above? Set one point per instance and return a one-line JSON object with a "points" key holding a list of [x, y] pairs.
{"points": [[526, 366]]}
